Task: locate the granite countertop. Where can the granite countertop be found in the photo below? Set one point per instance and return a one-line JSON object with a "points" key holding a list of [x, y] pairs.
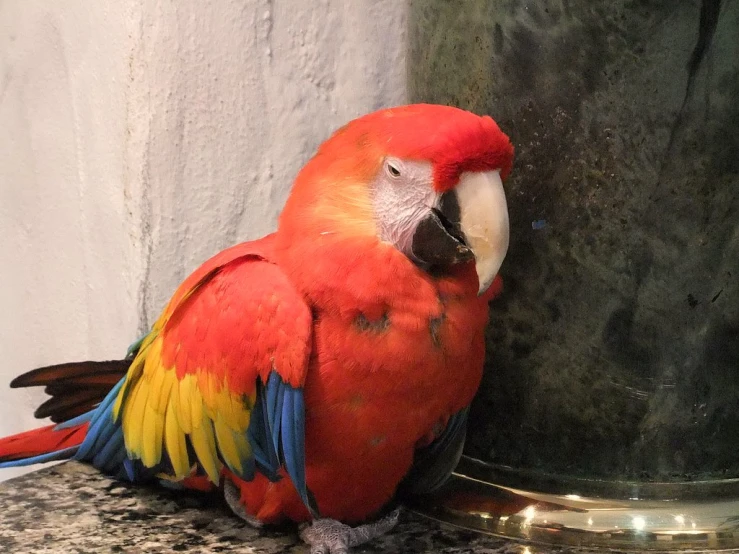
{"points": [[72, 508]]}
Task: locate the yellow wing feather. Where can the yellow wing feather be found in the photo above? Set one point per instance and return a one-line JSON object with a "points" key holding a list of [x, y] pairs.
{"points": [[161, 412], [204, 444], [133, 417], [234, 446], [175, 442]]}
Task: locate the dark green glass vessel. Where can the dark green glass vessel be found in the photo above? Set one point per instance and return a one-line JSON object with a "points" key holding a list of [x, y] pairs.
{"points": [[613, 354], [614, 351]]}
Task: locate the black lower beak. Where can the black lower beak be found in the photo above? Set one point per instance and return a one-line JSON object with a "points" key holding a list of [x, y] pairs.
{"points": [[439, 240]]}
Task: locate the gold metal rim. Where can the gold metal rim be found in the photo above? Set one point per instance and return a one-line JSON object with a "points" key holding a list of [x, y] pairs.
{"points": [[681, 523]]}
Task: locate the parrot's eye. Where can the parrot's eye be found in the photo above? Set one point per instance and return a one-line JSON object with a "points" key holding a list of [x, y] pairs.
{"points": [[392, 169]]}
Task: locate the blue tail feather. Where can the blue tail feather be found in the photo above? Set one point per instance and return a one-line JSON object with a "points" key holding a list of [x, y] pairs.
{"points": [[74, 422], [102, 425], [64, 454]]}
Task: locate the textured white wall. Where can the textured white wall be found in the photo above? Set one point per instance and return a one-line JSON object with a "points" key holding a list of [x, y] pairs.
{"points": [[139, 137], [67, 273]]}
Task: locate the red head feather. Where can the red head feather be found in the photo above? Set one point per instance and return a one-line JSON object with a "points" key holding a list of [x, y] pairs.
{"points": [[453, 140]]}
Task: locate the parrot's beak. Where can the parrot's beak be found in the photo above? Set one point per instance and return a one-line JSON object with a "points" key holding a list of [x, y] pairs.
{"points": [[470, 222], [483, 219]]}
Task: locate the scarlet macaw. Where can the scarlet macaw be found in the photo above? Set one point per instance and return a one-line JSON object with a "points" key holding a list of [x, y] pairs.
{"points": [[315, 370]]}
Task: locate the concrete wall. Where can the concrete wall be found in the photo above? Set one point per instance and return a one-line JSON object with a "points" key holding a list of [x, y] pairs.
{"points": [[139, 137]]}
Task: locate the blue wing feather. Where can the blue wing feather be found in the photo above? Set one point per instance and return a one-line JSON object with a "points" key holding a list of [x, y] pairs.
{"points": [[277, 434], [260, 435], [130, 469], [110, 451], [278, 398], [293, 444]]}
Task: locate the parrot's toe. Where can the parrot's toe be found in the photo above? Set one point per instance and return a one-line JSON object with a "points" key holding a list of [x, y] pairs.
{"points": [[328, 536]]}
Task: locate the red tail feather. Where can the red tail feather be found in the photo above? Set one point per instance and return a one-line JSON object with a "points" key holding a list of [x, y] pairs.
{"points": [[40, 441]]}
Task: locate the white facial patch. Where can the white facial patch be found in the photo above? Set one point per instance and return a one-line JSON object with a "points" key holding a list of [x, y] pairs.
{"points": [[403, 194]]}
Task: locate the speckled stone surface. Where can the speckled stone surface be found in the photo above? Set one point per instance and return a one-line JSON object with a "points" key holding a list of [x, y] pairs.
{"points": [[72, 508]]}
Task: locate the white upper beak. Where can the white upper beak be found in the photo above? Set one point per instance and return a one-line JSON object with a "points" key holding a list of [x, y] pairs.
{"points": [[484, 221]]}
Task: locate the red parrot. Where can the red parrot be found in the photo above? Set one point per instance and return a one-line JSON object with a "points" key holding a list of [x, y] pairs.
{"points": [[315, 371]]}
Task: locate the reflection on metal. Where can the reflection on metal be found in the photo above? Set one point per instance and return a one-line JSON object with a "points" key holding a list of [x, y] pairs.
{"points": [[652, 521]]}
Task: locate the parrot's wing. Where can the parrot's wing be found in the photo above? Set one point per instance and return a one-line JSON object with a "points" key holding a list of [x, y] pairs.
{"points": [[433, 464], [219, 379]]}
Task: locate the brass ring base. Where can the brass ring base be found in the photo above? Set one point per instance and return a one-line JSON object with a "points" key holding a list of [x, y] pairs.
{"points": [[690, 521]]}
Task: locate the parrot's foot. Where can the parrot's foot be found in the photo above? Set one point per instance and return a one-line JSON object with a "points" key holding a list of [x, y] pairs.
{"points": [[328, 536], [232, 494]]}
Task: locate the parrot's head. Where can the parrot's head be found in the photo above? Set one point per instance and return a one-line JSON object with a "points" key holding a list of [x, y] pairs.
{"points": [[426, 179]]}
